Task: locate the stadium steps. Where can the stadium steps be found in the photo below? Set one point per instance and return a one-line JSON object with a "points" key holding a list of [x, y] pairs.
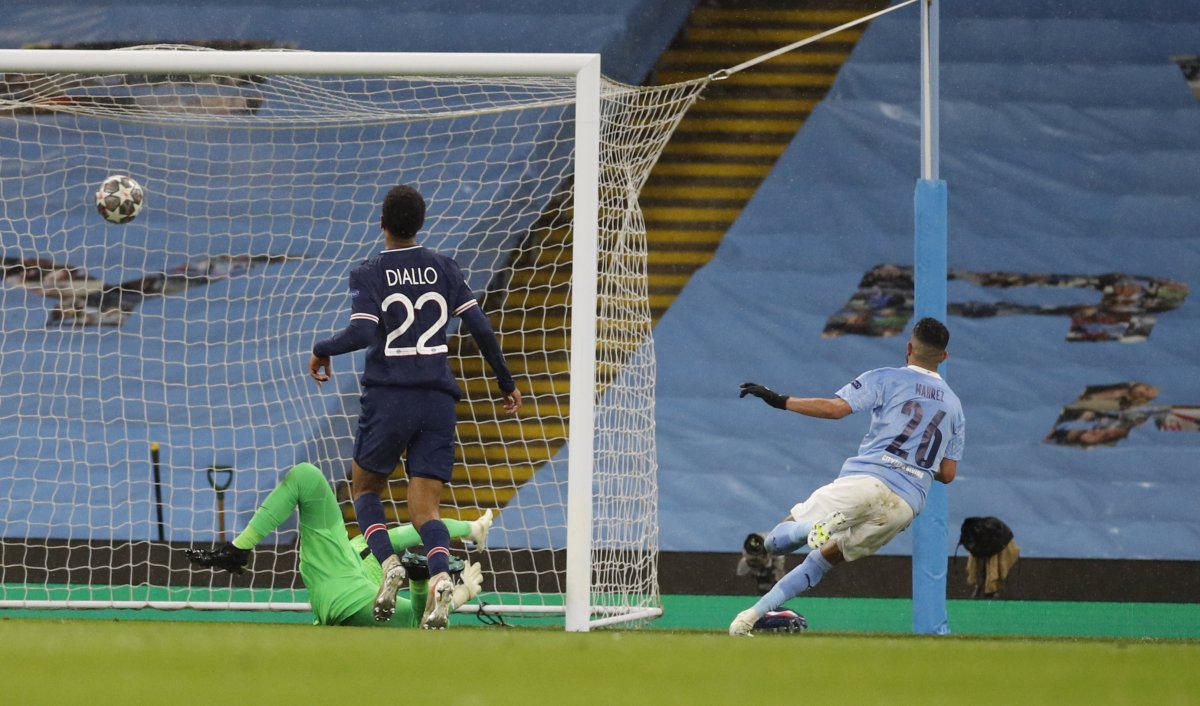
{"points": [[728, 142], [722, 150]]}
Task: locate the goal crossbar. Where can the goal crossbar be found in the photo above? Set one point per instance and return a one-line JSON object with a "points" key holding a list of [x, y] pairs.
{"points": [[294, 63]]}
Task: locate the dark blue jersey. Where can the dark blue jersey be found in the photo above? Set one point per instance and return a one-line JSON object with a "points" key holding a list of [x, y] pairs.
{"points": [[408, 295]]}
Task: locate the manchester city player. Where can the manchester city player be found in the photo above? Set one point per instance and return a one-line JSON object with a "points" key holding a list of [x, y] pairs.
{"points": [[401, 301], [916, 437]]}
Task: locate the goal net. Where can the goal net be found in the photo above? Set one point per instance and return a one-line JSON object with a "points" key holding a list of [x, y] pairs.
{"points": [[155, 384]]}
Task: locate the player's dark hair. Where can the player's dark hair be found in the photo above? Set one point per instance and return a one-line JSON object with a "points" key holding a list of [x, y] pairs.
{"points": [[403, 212], [932, 333]]}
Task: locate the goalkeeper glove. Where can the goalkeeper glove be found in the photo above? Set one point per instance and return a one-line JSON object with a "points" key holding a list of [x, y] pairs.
{"points": [[226, 556], [472, 584], [765, 394]]}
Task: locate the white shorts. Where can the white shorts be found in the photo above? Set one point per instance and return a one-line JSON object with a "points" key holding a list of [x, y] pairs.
{"points": [[874, 514]]}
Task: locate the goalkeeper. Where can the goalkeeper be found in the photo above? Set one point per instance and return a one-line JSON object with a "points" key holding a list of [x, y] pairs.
{"points": [[341, 574]]}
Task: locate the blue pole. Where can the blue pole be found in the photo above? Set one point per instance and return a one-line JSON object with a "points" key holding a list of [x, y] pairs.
{"points": [[929, 529], [929, 284]]}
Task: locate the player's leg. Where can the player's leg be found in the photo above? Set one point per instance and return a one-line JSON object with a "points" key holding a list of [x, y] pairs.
{"points": [[800, 579], [840, 506], [365, 617], [366, 489], [825, 504], [787, 536], [889, 515], [424, 496], [476, 531], [382, 433], [430, 462]]}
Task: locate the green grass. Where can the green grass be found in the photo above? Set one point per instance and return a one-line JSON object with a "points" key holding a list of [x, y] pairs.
{"points": [[54, 661]]}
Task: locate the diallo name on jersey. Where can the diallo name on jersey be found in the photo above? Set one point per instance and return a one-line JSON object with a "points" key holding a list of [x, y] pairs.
{"points": [[411, 275]]}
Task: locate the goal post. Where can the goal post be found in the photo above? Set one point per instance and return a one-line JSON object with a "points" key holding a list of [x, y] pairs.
{"points": [[188, 327]]}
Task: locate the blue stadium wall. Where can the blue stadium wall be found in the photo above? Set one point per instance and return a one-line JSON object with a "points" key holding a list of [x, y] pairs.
{"points": [[1070, 144]]}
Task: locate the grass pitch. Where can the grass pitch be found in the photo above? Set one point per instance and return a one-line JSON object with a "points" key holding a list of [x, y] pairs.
{"points": [[136, 662]]}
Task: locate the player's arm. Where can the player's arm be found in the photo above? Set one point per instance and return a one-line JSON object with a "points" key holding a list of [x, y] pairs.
{"points": [[948, 468], [485, 337], [304, 485], [946, 471], [364, 318], [358, 335], [820, 407]]}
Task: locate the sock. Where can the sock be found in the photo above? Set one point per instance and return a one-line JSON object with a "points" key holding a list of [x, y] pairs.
{"points": [[369, 511], [797, 581], [787, 537], [436, 539], [408, 536]]}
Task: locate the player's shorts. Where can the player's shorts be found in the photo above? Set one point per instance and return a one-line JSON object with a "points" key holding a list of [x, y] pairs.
{"points": [[413, 424], [874, 513]]}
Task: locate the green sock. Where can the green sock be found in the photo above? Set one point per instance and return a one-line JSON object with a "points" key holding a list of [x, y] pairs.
{"points": [[405, 536]]}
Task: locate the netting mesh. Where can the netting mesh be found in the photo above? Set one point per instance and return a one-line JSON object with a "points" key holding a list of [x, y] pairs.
{"points": [[189, 328]]}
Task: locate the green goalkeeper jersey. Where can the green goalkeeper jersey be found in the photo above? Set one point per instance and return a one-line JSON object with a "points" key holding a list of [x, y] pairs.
{"points": [[342, 578]]}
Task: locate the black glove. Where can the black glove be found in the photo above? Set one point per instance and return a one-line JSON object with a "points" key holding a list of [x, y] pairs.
{"points": [[226, 556], [765, 394]]}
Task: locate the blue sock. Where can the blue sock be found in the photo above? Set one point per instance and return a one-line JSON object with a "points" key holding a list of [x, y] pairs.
{"points": [[436, 539], [787, 537], [795, 582], [369, 511]]}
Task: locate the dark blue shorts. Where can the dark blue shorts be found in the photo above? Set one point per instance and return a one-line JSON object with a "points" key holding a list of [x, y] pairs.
{"points": [[413, 424]]}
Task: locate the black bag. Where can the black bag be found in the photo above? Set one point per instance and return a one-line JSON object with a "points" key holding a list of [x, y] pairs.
{"points": [[984, 536]]}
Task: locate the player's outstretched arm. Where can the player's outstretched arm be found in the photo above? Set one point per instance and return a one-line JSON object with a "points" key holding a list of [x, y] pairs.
{"points": [[226, 556], [765, 394], [822, 408]]}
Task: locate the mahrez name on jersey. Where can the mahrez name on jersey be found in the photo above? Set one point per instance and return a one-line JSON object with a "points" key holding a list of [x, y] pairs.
{"points": [[929, 392]]}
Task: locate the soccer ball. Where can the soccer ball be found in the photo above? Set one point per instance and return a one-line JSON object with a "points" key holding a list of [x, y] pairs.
{"points": [[119, 199]]}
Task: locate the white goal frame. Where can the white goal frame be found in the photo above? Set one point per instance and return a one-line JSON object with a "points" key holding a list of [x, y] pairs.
{"points": [[585, 68]]}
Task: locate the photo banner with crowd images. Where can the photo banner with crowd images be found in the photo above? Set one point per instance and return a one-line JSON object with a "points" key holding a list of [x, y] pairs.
{"points": [[1103, 415], [1127, 310]]}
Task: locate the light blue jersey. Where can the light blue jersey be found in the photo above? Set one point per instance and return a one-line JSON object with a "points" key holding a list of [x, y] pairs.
{"points": [[916, 421]]}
